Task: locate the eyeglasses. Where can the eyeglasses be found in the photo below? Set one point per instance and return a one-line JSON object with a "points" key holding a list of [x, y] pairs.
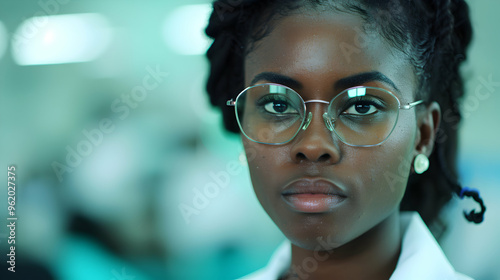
{"points": [[360, 116]]}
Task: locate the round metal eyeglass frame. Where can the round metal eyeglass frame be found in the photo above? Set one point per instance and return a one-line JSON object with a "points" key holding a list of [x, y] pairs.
{"points": [[306, 120]]}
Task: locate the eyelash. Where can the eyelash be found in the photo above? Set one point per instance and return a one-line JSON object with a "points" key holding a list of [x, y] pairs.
{"points": [[271, 98], [370, 101]]}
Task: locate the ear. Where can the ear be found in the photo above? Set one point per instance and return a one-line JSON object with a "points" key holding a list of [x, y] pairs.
{"points": [[427, 126]]}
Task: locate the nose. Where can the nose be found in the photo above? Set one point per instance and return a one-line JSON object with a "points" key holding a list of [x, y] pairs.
{"points": [[316, 143]]}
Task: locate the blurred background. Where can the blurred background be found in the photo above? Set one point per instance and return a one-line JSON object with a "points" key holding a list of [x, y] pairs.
{"points": [[123, 170]]}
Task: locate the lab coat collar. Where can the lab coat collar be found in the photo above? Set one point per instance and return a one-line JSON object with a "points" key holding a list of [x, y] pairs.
{"points": [[421, 256]]}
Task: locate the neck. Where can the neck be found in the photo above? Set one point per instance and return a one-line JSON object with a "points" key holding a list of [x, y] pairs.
{"points": [[373, 255]]}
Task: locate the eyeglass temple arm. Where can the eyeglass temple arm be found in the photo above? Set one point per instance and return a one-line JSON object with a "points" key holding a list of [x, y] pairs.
{"points": [[231, 102], [411, 105]]}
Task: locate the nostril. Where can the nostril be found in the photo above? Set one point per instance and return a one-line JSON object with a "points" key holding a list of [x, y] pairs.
{"points": [[324, 157], [301, 156]]}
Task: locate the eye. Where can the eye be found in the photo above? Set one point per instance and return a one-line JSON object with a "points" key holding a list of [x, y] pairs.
{"points": [[361, 108], [277, 105]]}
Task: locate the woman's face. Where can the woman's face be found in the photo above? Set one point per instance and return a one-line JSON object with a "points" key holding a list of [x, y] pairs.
{"points": [[324, 53]]}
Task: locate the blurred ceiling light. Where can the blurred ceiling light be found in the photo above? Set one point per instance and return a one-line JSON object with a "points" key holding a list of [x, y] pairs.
{"points": [[3, 39], [60, 39], [184, 29]]}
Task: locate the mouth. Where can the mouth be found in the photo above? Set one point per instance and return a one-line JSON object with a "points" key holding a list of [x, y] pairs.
{"points": [[313, 195]]}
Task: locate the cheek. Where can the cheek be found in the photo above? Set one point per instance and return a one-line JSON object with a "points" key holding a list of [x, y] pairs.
{"points": [[265, 164], [380, 174], [391, 167]]}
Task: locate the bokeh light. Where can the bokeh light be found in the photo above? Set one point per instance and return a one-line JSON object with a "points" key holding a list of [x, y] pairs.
{"points": [[60, 39], [183, 29]]}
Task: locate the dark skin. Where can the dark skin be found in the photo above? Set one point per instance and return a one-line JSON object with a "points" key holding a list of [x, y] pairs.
{"points": [[361, 238]]}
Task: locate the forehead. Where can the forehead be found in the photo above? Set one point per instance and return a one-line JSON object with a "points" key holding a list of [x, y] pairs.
{"points": [[324, 46]]}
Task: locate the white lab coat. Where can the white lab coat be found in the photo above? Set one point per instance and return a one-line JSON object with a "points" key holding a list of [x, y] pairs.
{"points": [[421, 256]]}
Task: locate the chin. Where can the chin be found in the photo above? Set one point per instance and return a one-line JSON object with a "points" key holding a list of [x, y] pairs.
{"points": [[315, 232]]}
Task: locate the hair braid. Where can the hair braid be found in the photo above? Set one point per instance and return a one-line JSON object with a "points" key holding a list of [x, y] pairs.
{"points": [[459, 39], [225, 61], [442, 49], [232, 26]]}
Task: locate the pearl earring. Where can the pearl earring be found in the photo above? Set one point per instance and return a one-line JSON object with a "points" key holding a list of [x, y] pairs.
{"points": [[421, 163]]}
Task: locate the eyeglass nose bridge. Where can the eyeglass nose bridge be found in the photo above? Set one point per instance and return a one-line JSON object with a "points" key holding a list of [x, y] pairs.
{"points": [[327, 120]]}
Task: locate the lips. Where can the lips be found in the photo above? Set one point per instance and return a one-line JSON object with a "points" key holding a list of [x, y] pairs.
{"points": [[313, 195]]}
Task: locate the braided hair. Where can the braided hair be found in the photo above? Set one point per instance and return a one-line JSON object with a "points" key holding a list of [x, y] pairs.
{"points": [[433, 34]]}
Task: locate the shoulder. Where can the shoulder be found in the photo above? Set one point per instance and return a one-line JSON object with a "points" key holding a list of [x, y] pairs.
{"points": [[421, 256]]}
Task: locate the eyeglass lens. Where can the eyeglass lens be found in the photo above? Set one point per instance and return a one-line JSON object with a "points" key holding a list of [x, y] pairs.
{"points": [[274, 114]]}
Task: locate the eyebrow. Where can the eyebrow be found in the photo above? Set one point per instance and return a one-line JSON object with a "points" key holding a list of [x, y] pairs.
{"points": [[361, 78], [347, 82], [277, 79]]}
